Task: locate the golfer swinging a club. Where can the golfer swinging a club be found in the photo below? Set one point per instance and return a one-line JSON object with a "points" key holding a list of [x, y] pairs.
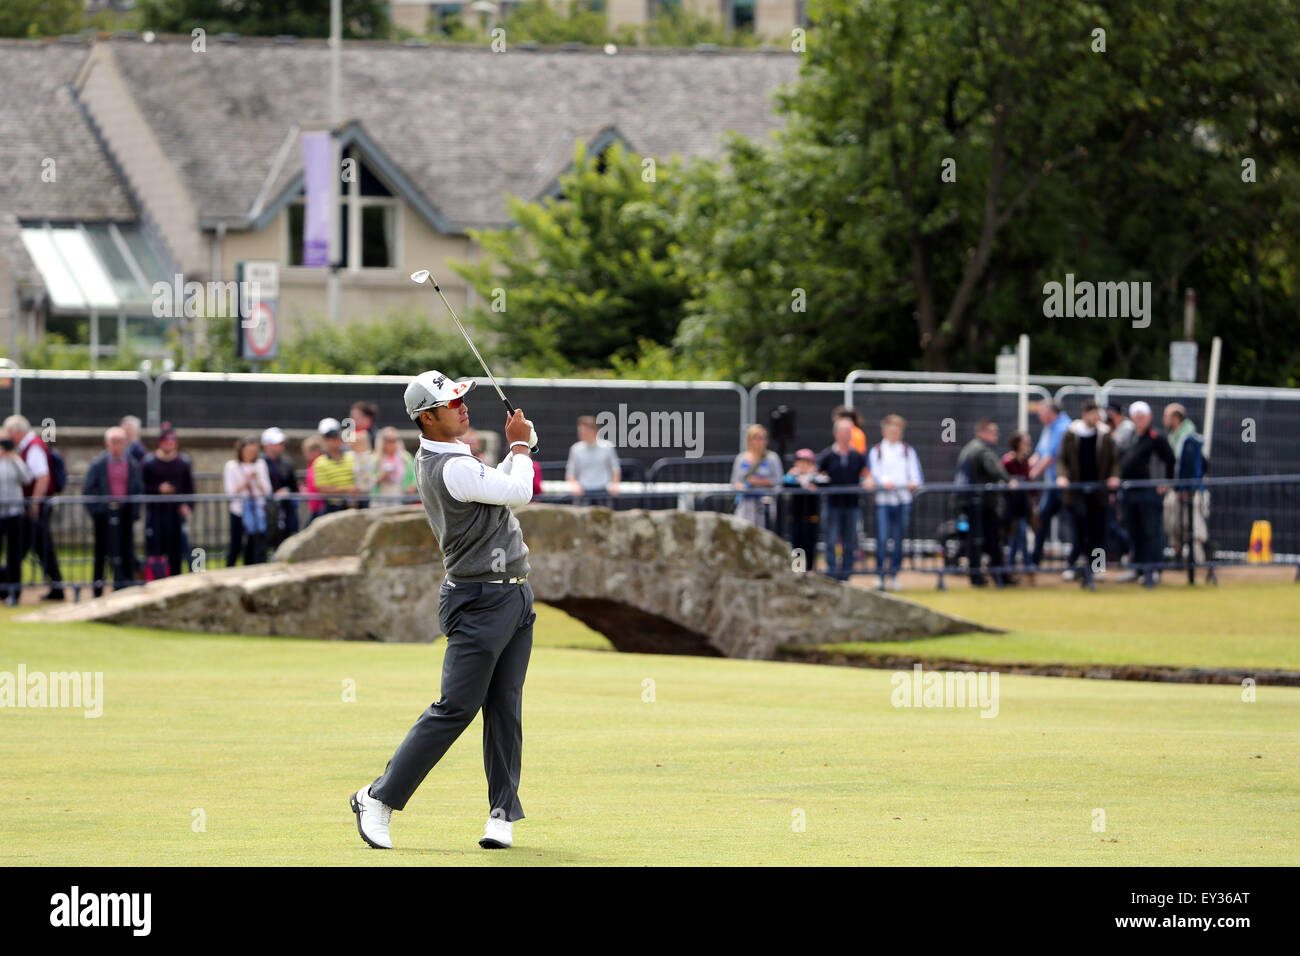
{"points": [[485, 607]]}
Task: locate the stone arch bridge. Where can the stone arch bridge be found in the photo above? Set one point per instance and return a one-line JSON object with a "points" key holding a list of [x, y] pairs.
{"points": [[678, 582]]}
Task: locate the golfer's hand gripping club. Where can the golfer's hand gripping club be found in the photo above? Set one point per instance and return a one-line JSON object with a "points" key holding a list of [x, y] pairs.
{"points": [[520, 429], [423, 276]]}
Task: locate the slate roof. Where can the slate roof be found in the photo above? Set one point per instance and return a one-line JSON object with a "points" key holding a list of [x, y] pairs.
{"points": [[465, 126], [40, 119]]}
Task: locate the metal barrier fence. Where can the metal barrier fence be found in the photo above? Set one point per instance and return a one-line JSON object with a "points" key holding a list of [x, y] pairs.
{"points": [[1218, 520], [970, 378], [708, 468], [940, 417], [1255, 429], [630, 469], [88, 551], [98, 400]]}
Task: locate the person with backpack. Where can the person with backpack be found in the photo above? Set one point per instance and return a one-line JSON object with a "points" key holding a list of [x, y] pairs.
{"points": [[112, 480], [282, 519], [979, 465], [13, 475], [166, 472], [894, 472], [49, 477]]}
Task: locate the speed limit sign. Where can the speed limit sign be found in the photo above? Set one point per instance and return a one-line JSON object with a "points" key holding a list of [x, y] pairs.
{"points": [[259, 332], [259, 289]]}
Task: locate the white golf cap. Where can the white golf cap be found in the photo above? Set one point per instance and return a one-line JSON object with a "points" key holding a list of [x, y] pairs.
{"points": [[431, 389], [329, 425], [1139, 408], [272, 436]]}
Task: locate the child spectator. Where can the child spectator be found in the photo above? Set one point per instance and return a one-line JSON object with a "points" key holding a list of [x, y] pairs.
{"points": [[312, 448], [805, 509], [1016, 463]]}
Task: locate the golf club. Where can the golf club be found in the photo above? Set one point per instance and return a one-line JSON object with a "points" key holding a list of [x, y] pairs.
{"points": [[424, 275]]}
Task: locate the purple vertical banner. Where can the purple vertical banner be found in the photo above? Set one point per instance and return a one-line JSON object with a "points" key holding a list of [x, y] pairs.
{"points": [[316, 223]]}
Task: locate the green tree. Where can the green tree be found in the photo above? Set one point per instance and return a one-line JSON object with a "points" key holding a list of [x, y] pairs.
{"points": [[40, 18], [585, 277], [942, 162], [677, 26], [540, 21], [400, 343], [362, 19]]}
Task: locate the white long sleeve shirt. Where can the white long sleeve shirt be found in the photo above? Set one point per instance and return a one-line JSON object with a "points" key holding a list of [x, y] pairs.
{"points": [[468, 479], [896, 462]]}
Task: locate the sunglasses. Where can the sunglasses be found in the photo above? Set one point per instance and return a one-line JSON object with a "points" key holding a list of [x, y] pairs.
{"points": [[454, 403]]}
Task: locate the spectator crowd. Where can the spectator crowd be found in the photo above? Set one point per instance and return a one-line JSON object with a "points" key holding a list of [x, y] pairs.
{"points": [[993, 519], [262, 489], [352, 464]]}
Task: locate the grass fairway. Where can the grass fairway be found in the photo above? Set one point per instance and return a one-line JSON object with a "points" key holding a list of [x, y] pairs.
{"points": [[254, 732], [1237, 625]]}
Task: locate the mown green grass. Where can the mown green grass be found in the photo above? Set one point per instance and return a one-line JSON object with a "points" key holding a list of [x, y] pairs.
{"points": [[715, 770], [1237, 625]]}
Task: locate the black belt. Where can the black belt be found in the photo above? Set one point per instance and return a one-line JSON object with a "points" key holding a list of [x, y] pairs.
{"points": [[519, 580]]}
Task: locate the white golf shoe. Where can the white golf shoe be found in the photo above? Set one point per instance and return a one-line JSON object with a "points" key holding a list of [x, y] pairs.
{"points": [[373, 816], [497, 834]]}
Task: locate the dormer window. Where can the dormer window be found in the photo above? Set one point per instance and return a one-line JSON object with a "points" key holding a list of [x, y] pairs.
{"points": [[369, 216]]}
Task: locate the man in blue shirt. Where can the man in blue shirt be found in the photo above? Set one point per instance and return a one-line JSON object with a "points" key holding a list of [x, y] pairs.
{"points": [[1042, 467]]}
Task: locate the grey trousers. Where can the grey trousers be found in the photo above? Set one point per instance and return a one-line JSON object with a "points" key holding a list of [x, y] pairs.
{"points": [[489, 630]]}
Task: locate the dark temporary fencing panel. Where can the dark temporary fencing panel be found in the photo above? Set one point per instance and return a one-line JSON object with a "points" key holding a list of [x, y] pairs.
{"points": [[73, 398], [680, 417], [940, 418], [1255, 429]]}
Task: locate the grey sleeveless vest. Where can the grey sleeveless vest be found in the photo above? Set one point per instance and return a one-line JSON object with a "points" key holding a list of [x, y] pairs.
{"points": [[479, 542]]}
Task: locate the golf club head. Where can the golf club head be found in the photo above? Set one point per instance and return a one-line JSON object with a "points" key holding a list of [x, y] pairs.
{"points": [[420, 276]]}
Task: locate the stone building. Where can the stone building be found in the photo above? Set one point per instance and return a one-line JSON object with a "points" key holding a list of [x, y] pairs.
{"points": [[136, 160]]}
